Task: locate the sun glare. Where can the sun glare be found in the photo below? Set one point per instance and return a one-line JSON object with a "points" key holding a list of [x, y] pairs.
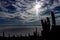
{"points": [[37, 6]]}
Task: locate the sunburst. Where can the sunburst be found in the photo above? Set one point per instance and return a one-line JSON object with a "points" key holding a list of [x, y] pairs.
{"points": [[37, 7]]}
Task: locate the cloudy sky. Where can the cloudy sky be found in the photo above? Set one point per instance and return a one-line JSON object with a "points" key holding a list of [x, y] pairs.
{"points": [[26, 12]]}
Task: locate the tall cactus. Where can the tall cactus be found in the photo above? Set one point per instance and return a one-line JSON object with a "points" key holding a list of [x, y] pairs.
{"points": [[48, 24], [42, 24], [53, 18], [53, 21]]}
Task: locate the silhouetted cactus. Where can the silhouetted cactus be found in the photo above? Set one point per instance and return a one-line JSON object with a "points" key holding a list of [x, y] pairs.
{"points": [[53, 18], [43, 24], [48, 24], [53, 21], [48, 21]]}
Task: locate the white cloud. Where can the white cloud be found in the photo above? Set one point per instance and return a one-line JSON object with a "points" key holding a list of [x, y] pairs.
{"points": [[29, 12]]}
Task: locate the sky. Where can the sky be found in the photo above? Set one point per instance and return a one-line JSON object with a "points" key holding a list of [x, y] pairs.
{"points": [[26, 13]]}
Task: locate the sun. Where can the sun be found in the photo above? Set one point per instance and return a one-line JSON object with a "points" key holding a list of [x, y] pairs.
{"points": [[37, 6]]}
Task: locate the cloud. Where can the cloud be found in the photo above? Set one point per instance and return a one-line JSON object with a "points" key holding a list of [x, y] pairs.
{"points": [[24, 13], [24, 9]]}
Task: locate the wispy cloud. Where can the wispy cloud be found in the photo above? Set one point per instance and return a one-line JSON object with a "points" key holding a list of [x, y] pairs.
{"points": [[25, 11]]}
